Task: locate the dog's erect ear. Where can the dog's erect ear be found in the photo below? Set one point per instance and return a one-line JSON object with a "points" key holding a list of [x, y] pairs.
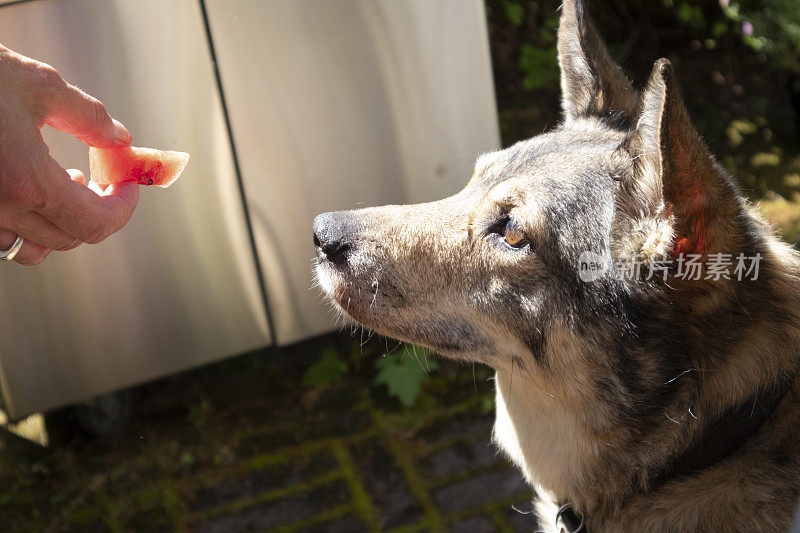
{"points": [[676, 173], [591, 83]]}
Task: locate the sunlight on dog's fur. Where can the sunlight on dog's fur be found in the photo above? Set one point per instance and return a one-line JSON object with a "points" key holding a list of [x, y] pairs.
{"points": [[645, 403]]}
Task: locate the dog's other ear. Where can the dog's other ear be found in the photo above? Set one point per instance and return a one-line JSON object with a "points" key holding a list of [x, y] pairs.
{"points": [[677, 175], [591, 83]]}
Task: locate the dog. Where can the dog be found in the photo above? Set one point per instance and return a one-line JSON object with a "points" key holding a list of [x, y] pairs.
{"points": [[632, 396]]}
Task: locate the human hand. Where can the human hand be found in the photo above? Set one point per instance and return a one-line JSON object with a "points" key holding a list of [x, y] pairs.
{"points": [[51, 208]]}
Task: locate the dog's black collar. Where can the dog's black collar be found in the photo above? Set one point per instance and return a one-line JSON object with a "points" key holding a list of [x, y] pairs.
{"points": [[725, 434], [572, 521], [719, 440]]}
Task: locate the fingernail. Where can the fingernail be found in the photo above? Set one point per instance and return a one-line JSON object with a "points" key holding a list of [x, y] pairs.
{"points": [[121, 134]]}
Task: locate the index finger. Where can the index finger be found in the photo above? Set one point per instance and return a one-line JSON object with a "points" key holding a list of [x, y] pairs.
{"points": [[81, 212], [73, 111]]}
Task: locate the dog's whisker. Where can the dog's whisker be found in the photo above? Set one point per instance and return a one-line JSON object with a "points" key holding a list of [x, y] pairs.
{"points": [[671, 419], [375, 295], [678, 376], [370, 333]]}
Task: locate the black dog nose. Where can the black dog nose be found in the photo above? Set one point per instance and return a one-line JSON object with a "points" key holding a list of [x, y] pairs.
{"points": [[330, 235]]}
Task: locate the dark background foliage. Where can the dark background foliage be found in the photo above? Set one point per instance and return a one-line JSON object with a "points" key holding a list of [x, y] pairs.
{"points": [[737, 64]]}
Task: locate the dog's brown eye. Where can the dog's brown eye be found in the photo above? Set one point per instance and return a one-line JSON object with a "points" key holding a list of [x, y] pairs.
{"points": [[514, 236]]}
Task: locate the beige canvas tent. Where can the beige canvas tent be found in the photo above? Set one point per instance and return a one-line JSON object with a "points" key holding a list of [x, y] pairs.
{"points": [[289, 108]]}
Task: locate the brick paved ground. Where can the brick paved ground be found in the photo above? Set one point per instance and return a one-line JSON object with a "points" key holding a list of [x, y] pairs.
{"points": [[240, 447]]}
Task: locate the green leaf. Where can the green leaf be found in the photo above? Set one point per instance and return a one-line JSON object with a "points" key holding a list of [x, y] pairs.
{"points": [[328, 369], [691, 15], [404, 373], [719, 29], [515, 12], [539, 66]]}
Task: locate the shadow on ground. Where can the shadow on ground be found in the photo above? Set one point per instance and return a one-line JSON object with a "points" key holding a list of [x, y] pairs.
{"points": [[244, 446]]}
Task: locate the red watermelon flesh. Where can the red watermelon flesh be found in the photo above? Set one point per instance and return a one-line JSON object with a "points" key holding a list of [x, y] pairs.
{"points": [[147, 166]]}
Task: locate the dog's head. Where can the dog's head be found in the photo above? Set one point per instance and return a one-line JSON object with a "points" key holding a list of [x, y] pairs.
{"points": [[497, 273]]}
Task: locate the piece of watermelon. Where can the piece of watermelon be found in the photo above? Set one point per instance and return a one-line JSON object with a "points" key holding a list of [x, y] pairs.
{"points": [[147, 166]]}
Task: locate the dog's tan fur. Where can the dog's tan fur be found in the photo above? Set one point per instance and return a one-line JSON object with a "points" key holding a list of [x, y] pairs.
{"points": [[602, 387]]}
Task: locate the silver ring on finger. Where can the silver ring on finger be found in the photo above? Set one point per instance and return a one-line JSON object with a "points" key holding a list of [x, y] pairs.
{"points": [[10, 253]]}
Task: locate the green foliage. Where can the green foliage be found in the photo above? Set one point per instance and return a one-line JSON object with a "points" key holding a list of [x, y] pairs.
{"points": [[515, 12], [539, 66], [771, 27], [719, 28], [329, 369], [199, 414], [187, 459], [691, 15], [404, 373]]}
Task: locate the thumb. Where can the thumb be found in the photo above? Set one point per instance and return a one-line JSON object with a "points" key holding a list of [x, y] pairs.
{"points": [[84, 116]]}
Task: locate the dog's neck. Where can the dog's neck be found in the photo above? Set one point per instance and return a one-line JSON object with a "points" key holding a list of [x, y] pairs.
{"points": [[567, 462], [566, 457], [549, 443]]}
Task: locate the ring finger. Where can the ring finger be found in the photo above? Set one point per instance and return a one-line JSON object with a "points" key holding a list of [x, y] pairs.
{"points": [[31, 253]]}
